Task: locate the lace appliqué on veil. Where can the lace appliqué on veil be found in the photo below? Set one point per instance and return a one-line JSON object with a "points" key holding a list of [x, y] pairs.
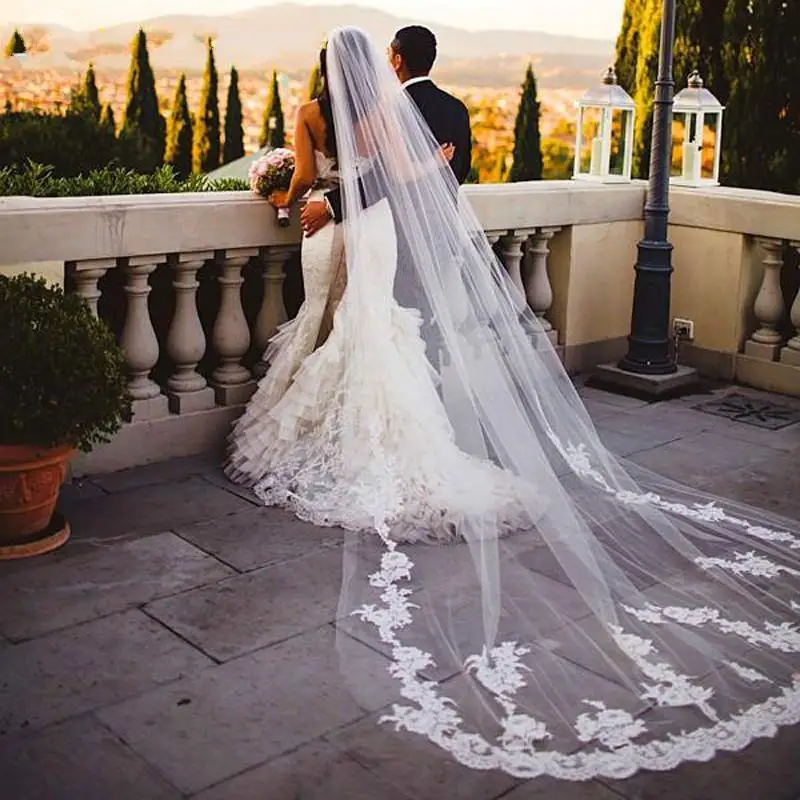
{"points": [[521, 746]]}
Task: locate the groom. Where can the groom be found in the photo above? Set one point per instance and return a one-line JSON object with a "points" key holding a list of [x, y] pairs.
{"points": [[412, 54]]}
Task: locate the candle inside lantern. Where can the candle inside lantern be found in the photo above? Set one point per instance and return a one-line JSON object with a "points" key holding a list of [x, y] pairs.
{"points": [[689, 150], [595, 166]]}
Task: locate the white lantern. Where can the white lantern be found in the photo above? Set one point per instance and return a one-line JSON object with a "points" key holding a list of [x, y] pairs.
{"points": [[604, 138], [697, 135]]}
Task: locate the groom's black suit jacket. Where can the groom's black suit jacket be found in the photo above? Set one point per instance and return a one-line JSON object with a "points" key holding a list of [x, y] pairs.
{"points": [[447, 118]]}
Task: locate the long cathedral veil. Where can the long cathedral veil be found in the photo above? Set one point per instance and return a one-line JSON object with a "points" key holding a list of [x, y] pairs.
{"points": [[611, 620]]}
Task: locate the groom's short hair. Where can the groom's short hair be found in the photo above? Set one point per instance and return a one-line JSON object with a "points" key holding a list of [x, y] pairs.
{"points": [[417, 46]]}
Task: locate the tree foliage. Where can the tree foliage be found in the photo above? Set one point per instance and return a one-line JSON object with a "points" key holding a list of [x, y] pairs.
{"points": [[747, 55], [527, 161], [234, 131], [206, 152], [273, 133], [142, 123], [178, 152]]}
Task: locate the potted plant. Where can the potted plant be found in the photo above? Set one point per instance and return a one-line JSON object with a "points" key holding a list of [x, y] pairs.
{"points": [[62, 389]]}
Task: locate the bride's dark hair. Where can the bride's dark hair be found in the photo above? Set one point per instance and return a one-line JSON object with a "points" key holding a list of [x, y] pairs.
{"points": [[324, 101]]}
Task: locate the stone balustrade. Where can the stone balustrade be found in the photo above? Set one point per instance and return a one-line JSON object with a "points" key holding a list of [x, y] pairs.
{"points": [[194, 286]]}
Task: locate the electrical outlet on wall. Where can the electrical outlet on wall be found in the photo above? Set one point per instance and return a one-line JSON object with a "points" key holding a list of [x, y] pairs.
{"points": [[683, 328]]}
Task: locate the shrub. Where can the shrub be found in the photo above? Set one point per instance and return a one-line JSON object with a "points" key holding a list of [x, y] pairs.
{"points": [[35, 180], [62, 374]]}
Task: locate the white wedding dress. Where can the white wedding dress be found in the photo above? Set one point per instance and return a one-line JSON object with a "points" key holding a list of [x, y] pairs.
{"points": [[398, 469], [588, 618]]}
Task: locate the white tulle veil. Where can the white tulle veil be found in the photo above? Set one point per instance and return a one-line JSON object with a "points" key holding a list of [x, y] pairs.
{"points": [[626, 622]]}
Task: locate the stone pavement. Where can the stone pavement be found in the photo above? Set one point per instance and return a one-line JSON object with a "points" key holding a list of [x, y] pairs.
{"points": [[181, 644]]}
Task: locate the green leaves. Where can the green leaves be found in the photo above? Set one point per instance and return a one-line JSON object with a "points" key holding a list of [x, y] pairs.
{"points": [[178, 152], [143, 126], [35, 180], [206, 149], [62, 374], [273, 133], [234, 131], [527, 164]]}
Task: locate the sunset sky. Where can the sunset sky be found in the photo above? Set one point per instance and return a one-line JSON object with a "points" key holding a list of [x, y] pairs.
{"points": [[592, 18]]}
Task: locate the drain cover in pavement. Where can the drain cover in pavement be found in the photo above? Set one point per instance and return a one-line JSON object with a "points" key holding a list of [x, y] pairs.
{"points": [[752, 411]]}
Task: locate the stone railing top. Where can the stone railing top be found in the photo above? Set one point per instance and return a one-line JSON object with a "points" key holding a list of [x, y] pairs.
{"points": [[80, 228]]}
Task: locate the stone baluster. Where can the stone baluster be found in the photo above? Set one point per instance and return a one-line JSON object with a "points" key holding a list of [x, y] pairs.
{"points": [[537, 282], [187, 389], [272, 312], [493, 237], [87, 275], [139, 341], [231, 336], [791, 353], [766, 342], [511, 254]]}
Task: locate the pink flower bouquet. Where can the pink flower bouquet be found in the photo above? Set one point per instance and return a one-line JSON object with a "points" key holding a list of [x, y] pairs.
{"points": [[273, 172]]}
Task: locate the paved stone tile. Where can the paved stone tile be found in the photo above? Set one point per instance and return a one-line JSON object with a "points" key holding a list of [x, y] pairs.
{"points": [[695, 461], [176, 469], [771, 483], [415, 766], [766, 770], [597, 395], [663, 421], [149, 509], [259, 537], [80, 589], [456, 611], [77, 760], [251, 611], [86, 667], [316, 771], [550, 789], [216, 477], [210, 727], [628, 444], [76, 491], [786, 440]]}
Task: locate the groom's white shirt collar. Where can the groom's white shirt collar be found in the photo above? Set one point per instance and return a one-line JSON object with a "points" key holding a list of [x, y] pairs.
{"points": [[419, 79]]}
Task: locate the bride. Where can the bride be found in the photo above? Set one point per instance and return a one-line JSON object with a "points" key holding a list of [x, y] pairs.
{"points": [[587, 618]]}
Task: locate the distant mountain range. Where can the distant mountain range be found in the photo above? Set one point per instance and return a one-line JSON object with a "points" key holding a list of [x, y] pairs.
{"points": [[287, 36]]}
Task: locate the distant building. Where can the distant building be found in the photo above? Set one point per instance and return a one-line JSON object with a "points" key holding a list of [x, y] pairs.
{"points": [[237, 169]]}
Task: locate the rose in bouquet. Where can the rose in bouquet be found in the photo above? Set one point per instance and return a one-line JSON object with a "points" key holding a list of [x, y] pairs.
{"points": [[271, 173]]}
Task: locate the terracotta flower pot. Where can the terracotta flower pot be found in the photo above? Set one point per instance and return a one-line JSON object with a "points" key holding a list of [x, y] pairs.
{"points": [[30, 480]]}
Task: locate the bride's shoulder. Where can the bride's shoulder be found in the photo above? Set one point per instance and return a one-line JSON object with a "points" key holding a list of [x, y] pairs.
{"points": [[309, 110]]}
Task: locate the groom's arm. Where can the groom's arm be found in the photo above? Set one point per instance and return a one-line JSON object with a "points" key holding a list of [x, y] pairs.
{"points": [[462, 139], [334, 204]]}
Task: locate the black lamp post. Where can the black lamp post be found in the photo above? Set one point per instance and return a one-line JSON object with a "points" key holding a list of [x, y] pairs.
{"points": [[648, 368], [649, 339]]}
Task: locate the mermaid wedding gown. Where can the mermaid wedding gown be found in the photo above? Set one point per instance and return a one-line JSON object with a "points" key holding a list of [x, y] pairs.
{"points": [[365, 372]]}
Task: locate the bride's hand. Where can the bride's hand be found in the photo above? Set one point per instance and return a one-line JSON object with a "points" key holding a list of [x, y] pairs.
{"points": [[279, 198]]}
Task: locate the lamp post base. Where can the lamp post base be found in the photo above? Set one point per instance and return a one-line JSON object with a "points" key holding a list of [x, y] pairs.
{"points": [[648, 387]]}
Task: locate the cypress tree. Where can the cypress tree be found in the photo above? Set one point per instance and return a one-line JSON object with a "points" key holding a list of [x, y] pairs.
{"points": [[16, 45], [90, 92], [179, 133], [142, 122], [315, 83], [747, 55], [527, 164], [107, 121], [87, 97], [761, 147], [207, 130], [234, 132], [275, 135], [698, 45]]}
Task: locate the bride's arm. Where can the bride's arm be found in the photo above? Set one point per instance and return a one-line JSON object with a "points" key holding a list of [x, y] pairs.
{"points": [[305, 165]]}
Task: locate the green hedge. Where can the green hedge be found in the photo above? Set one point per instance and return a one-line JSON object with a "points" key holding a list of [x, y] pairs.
{"points": [[35, 180]]}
